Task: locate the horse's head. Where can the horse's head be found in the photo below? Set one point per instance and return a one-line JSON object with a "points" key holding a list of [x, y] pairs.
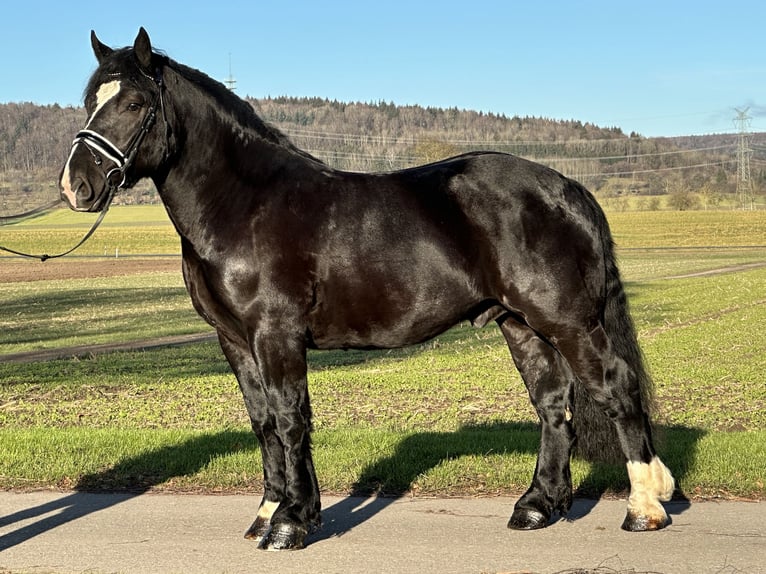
{"points": [[120, 143]]}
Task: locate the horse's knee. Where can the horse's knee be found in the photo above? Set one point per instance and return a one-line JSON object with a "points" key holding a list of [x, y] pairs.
{"points": [[650, 483]]}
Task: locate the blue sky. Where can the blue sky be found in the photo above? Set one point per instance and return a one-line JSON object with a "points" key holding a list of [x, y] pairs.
{"points": [[658, 68]]}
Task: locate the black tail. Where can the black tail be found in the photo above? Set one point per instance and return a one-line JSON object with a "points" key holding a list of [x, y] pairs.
{"points": [[596, 435]]}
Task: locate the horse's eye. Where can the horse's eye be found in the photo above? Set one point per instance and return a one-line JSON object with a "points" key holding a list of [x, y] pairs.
{"points": [[134, 107]]}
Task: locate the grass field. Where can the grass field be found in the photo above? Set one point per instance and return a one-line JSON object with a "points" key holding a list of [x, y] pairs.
{"points": [[448, 417], [142, 229], [146, 229]]}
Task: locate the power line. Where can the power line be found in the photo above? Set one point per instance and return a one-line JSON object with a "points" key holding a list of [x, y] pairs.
{"points": [[639, 155], [660, 169], [366, 140], [398, 160], [413, 140], [409, 160]]}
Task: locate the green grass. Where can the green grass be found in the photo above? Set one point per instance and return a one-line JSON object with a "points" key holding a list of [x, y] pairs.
{"points": [[126, 230], [40, 315], [704, 340], [110, 242], [143, 216], [448, 417], [146, 229], [688, 228], [641, 265], [473, 460], [707, 376]]}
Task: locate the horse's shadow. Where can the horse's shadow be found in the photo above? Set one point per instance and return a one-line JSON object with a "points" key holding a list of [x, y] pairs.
{"points": [[125, 480], [378, 486], [382, 482]]}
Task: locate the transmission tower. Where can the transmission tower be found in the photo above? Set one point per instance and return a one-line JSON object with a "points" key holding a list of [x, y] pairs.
{"points": [[230, 82], [744, 183]]}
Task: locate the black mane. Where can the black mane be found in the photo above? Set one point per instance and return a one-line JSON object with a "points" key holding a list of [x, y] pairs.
{"points": [[122, 63], [229, 104]]}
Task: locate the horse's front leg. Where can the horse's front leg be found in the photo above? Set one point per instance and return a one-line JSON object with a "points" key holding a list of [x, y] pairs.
{"points": [[291, 504], [240, 357], [270, 531]]}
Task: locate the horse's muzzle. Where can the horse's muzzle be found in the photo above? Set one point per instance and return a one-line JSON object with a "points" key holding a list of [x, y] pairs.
{"points": [[81, 196]]}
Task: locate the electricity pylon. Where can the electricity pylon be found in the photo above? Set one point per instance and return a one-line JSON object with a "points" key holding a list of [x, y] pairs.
{"points": [[744, 183], [230, 82]]}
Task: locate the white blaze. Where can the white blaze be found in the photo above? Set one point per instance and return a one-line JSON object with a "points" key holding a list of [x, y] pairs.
{"points": [[105, 92]]}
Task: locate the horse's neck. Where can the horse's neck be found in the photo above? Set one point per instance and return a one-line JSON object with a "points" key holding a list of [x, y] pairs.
{"points": [[220, 169]]}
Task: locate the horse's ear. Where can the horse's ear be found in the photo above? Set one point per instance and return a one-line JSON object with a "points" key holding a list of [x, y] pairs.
{"points": [[143, 49], [101, 51]]}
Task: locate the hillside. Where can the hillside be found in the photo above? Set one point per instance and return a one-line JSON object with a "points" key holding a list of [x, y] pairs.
{"points": [[35, 140]]}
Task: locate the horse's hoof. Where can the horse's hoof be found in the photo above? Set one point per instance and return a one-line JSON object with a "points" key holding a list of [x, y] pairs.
{"points": [[527, 519], [258, 529], [641, 522], [284, 537]]}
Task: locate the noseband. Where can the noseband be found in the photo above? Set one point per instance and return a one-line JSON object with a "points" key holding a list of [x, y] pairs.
{"points": [[99, 145]]}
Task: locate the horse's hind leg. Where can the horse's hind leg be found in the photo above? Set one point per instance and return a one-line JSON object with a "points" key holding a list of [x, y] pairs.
{"points": [[549, 380], [614, 386]]}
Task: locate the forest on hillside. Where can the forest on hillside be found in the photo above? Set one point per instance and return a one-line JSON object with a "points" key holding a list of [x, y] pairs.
{"points": [[691, 172]]}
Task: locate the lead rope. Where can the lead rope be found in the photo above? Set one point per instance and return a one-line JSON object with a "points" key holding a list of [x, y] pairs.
{"points": [[4, 219], [123, 161], [44, 257]]}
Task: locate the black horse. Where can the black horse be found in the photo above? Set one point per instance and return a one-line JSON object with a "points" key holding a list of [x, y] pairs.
{"points": [[282, 253]]}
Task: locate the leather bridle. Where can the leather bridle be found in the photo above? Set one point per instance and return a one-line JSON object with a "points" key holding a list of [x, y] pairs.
{"points": [[98, 146]]}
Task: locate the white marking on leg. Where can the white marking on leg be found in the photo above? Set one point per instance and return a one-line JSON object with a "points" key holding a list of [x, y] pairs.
{"points": [[649, 483], [262, 524], [267, 509]]}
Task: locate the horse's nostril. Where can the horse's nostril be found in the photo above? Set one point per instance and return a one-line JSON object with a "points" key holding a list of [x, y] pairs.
{"points": [[83, 191]]}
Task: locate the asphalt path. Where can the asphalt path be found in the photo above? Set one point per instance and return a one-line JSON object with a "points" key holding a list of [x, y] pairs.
{"points": [[68, 532]]}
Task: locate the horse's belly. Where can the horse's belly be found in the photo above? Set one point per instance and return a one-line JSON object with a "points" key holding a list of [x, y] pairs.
{"points": [[374, 336], [387, 318]]}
